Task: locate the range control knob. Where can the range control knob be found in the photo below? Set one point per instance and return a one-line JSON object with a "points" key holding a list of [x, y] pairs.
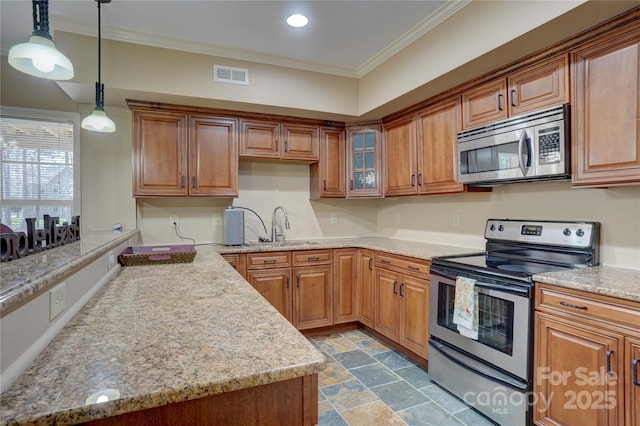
{"points": [[501, 228], [567, 231], [580, 233], [492, 227]]}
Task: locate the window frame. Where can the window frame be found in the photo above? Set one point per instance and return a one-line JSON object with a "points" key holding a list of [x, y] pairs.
{"points": [[55, 116]]}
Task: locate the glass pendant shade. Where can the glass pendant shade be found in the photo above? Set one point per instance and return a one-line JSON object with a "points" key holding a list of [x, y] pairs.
{"points": [[39, 57], [98, 122]]}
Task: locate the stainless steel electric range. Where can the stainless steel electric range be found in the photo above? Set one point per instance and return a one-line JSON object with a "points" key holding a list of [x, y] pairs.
{"points": [[491, 367]]}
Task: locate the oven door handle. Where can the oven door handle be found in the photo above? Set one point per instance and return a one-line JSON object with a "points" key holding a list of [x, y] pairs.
{"points": [[512, 289], [521, 143], [443, 351]]}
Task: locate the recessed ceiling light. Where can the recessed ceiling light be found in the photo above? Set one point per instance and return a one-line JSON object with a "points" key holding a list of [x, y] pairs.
{"points": [[297, 20]]}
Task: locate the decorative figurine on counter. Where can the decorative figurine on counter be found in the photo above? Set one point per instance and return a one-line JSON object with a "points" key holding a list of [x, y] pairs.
{"points": [[14, 245]]}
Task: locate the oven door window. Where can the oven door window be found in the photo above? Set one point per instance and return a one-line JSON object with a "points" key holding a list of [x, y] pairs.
{"points": [[495, 317]]}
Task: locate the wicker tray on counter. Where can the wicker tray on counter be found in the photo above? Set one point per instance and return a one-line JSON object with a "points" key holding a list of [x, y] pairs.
{"points": [[154, 255]]}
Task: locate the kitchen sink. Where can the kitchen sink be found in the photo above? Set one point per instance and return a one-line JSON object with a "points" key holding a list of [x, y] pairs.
{"points": [[286, 243]]}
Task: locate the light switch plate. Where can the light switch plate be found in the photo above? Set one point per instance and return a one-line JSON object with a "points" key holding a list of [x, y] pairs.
{"points": [[57, 301]]}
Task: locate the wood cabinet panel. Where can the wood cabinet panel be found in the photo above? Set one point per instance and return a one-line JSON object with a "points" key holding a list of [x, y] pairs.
{"points": [[606, 107], [364, 162], [366, 281], [312, 297], [632, 381], [300, 142], [311, 257], [271, 259], [545, 84], [213, 157], [437, 133], [328, 176], [238, 261], [160, 152], [345, 285], [403, 264], [387, 304], [259, 139], [275, 286], [399, 158], [414, 329], [484, 104], [566, 355]]}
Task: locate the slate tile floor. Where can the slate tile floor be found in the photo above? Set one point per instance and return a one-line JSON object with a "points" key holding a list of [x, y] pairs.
{"points": [[367, 383]]}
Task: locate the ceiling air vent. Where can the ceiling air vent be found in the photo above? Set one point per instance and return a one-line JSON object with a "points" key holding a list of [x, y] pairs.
{"points": [[224, 74]]}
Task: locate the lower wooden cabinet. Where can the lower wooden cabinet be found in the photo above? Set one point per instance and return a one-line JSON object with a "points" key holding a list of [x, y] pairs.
{"points": [[401, 303], [366, 283], [312, 297], [586, 356], [345, 285], [275, 286], [238, 261]]}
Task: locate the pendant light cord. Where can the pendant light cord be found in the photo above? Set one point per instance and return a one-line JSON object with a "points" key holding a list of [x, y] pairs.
{"points": [[99, 91]]}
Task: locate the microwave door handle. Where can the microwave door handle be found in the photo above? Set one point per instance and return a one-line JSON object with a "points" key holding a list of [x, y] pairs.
{"points": [[521, 143]]}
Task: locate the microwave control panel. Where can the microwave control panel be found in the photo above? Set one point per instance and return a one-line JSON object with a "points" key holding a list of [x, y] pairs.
{"points": [[549, 149]]}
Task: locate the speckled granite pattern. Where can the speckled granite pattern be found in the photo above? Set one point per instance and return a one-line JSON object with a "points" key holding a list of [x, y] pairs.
{"points": [[415, 249], [615, 282], [22, 278], [160, 334]]}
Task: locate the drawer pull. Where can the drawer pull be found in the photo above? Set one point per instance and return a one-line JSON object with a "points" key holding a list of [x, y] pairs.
{"points": [[269, 261], [313, 258], [385, 261], [413, 268], [571, 305], [609, 372], [634, 363]]}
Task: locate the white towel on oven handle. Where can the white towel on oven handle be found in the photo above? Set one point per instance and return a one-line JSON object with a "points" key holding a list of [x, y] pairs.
{"points": [[465, 308]]}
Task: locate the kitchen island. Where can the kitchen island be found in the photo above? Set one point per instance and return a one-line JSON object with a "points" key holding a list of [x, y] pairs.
{"points": [[179, 343]]}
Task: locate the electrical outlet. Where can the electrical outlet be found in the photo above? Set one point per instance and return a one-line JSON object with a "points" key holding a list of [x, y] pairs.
{"points": [[111, 260], [174, 219], [57, 301], [456, 220], [334, 218], [217, 220]]}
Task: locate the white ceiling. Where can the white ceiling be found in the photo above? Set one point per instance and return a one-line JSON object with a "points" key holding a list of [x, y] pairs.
{"points": [[346, 38]]}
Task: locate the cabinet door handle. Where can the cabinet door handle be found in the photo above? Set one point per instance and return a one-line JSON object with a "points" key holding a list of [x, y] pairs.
{"points": [[500, 102], [401, 292], [276, 145], [413, 268], [269, 261], [513, 98], [287, 281], [413, 180], [298, 280], [419, 179], [385, 261], [182, 179], [313, 258], [324, 184], [634, 365], [395, 290], [351, 184], [571, 305], [370, 268], [234, 265], [286, 146], [193, 182], [609, 372]]}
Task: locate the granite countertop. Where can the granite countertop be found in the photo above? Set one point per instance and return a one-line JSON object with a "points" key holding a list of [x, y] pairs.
{"points": [[22, 278], [160, 334], [606, 280]]}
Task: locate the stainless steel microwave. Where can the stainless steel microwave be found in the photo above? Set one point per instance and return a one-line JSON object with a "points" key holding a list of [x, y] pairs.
{"points": [[524, 148]]}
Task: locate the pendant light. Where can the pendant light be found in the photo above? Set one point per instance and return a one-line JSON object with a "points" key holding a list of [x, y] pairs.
{"points": [[98, 120], [39, 57]]}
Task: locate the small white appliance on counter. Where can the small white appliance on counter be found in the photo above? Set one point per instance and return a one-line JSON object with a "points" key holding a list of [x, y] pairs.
{"points": [[233, 226]]}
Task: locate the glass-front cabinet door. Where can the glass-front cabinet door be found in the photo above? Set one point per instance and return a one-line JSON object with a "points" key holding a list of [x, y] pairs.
{"points": [[364, 158]]}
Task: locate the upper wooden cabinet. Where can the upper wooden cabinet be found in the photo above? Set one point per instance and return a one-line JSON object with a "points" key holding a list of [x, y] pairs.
{"points": [[364, 163], [177, 155], [420, 151], [606, 107], [274, 140], [328, 175], [544, 84]]}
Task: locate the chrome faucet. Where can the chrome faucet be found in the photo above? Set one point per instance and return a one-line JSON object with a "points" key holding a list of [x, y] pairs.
{"points": [[274, 225]]}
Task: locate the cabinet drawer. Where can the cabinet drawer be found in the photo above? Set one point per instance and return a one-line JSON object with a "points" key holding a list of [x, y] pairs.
{"points": [[587, 305], [402, 263], [273, 259], [311, 257]]}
